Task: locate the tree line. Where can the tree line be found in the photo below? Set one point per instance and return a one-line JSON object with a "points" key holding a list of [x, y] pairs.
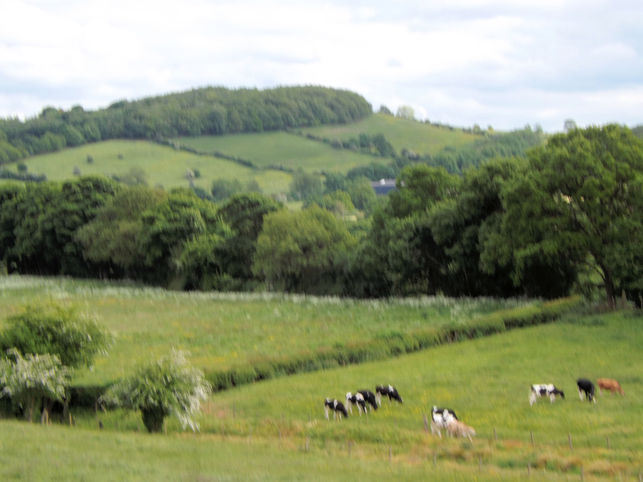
{"points": [[568, 217], [205, 111]]}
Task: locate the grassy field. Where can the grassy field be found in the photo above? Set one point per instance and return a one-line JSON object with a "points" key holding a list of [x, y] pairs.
{"points": [[163, 165], [282, 149], [401, 133], [244, 431], [228, 330]]}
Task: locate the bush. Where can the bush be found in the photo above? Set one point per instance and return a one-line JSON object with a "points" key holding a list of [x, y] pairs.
{"points": [[168, 386]]}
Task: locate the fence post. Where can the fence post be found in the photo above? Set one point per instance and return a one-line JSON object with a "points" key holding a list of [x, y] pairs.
{"points": [[529, 470], [531, 434], [608, 441], [569, 438], [390, 454], [495, 435], [426, 424]]}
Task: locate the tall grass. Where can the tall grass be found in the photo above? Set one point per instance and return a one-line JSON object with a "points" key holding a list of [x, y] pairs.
{"points": [[243, 332]]}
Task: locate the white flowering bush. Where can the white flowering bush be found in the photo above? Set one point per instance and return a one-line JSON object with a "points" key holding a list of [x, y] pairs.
{"points": [[169, 386], [26, 381]]}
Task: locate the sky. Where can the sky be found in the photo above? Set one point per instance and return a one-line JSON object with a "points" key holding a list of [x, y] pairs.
{"points": [[499, 63]]}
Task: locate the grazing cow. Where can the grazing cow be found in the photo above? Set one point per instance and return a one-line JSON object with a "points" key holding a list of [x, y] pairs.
{"points": [[456, 428], [357, 399], [609, 384], [369, 397], [441, 418], [388, 391], [544, 390], [337, 407], [586, 387]]}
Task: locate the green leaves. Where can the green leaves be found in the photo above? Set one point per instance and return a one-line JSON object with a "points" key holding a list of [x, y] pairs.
{"points": [[55, 330], [169, 386]]}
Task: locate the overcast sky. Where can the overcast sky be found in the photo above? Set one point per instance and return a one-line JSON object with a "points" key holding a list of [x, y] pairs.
{"points": [[504, 63]]}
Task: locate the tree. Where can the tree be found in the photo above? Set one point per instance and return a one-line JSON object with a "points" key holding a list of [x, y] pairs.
{"points": [[245, 214], [26, 381], [52, 329], [168, 226], [303, 251], [305, 186], [405, 112], [582, 198], [169, 386], [111, 239], [569, 125]]}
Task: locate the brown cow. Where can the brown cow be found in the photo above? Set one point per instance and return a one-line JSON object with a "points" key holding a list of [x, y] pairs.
{"points": [[609, 384]]}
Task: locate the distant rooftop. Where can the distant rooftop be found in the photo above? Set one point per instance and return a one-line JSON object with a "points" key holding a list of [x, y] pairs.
{"points": [[383, 186]]}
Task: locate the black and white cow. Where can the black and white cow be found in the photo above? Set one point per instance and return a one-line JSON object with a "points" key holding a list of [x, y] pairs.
{"points": [[544, 390], [586, 387], [337, 407], [369, 397], [355, 399], [440, 419], [387, 391]]}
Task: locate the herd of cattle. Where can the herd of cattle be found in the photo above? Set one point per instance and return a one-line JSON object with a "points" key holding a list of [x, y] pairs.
{"points": [[445, 418]]}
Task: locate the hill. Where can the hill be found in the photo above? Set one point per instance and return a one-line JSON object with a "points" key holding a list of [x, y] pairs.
{"points": [[206, 111], [486, 381]]}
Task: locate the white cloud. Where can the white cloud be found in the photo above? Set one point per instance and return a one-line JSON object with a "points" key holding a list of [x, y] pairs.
{"points": [[497, 62]]}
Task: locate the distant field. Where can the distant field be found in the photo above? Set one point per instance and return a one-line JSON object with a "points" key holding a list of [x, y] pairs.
{"points": [[401, 133], [229, 330], [163, 165], [281, 149]]}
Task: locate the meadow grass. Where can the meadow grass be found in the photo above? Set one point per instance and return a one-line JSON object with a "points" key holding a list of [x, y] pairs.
{"points": [[401, 133], [223, 331], [270, 149], [163, 165], [276, 430]]}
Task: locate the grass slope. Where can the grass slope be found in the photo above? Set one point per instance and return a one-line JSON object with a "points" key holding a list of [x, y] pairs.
{"points": [[244, 431], [401, 133], [228, 330], [283, 150], [163, 165]]}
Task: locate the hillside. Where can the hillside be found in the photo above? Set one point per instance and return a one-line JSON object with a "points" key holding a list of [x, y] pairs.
{"points": [[206, 111], [419, 137], [281, 150], [486, 381], [160, 165]]}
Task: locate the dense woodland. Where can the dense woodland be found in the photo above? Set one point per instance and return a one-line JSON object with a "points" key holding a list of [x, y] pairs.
{"points": [[567, 218], [206, 111]]}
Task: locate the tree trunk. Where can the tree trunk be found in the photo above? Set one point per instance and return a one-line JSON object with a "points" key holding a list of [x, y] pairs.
{"points": [[609, 288]]}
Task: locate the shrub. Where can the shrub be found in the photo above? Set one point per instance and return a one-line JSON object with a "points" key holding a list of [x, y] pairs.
{"points": [[168, 386], [27, 380]]}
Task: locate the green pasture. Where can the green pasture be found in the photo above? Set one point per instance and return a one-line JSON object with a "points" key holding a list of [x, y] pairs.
{"points": [[223, 331], [162, 165], [283, 150], [486, 381], [276, 430], [401, 133]]}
